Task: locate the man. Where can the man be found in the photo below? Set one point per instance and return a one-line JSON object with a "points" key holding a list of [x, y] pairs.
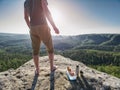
{"points": [[35, 14]]}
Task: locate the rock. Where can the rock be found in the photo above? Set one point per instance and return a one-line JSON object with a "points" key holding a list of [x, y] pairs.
{"points": [[24, 77]]}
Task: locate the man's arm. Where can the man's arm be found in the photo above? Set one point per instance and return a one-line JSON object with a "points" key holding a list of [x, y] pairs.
{"points": [[49, 16], [26, 17]]}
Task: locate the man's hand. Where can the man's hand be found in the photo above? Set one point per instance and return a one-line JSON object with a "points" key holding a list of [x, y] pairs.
{"points": [[56, 30]]}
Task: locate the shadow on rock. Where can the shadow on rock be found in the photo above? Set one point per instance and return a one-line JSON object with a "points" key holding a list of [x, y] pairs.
{"points": [[80, 84], [52, 81], [34, 82]]}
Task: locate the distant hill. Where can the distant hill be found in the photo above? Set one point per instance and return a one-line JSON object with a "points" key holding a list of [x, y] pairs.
{"points": [[88, 41], [13, 39]]}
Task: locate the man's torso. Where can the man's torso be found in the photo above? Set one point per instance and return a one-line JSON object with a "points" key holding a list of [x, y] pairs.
{"points": [[35, 10]]}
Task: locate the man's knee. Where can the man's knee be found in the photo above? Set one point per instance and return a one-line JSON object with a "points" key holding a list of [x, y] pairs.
{"points": [[35, 52], [51, 51]]}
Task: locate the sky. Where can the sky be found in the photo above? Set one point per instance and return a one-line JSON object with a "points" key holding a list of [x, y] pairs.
{"points": [[72, 17]]}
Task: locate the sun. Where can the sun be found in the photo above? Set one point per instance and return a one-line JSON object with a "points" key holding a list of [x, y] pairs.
{"points": [[56, 14], [58, 18]]}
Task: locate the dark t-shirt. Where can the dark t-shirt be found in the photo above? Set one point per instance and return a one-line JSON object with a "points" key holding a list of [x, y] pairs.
{"points": [[35, 10]]}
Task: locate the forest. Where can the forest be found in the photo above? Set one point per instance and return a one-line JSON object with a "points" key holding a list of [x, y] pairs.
{"points": [[104, 61], [99, 51]]}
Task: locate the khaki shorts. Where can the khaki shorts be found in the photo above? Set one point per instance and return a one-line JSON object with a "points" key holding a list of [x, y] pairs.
{"points": [[41, 33]]}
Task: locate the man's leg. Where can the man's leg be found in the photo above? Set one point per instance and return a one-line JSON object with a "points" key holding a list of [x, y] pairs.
{"points": [[47, 40], [36, 62], [35, 45], [51, 58], [52, 66]]}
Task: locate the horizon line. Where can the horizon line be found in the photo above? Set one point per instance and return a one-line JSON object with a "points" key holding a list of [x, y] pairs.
{"points": [[58, 34]]}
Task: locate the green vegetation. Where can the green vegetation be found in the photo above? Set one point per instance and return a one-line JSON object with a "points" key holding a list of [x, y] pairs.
{"points": [[99, 51], [94, 57], [12, 59], [104, 61], [110, 69]]}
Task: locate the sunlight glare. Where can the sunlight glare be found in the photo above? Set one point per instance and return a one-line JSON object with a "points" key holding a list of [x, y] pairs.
{"points": [[56, 14]]}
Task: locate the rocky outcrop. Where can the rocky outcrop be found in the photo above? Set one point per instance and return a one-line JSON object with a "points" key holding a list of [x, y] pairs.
{"points": [[24, 78]]}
